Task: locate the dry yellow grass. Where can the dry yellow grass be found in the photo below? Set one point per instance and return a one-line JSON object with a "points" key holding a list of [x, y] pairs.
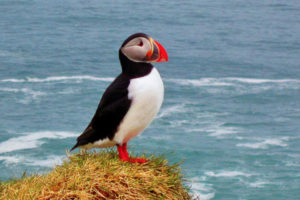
{"points": [[100, 176]]}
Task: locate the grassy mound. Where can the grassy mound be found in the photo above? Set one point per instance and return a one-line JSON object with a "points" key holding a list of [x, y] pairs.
{"points": [[100, 176]]}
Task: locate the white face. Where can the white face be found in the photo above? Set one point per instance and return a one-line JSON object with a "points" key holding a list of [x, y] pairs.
{"points": [[137, 49]]}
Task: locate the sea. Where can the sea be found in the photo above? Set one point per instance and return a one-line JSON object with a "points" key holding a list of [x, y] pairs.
{"points": [[231, 111]]}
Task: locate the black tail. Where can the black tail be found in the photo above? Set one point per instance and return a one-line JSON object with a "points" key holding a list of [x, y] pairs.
{"points": [[85, 137], [75, 146]]}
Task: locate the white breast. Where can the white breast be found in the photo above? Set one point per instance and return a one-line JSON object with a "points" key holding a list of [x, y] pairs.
{"points": [[146, 94]]}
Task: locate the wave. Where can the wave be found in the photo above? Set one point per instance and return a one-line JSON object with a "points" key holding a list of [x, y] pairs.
{"points": [[59, 78], [228, 81], [32, 140], [11, 159], [217, 129], [49, 161], [258, 184], [171, 110], [266, 143], [150, 137], [200, 82], [29, 94], [259, 81], [222, 131], [292, 163], [28, 91], [200, 190], [63, 78], [13, 80], [231, 80], [227, 174], [208, 81]]}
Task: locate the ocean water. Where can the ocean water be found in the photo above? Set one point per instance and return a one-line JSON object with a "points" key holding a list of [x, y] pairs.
{"points": [[232, 87]]}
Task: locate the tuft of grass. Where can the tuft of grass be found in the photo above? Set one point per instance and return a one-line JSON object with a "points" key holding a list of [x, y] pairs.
{"points": [[101, 176]]}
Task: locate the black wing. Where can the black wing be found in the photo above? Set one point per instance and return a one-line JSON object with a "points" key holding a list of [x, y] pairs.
{"points": [[110, 112]]}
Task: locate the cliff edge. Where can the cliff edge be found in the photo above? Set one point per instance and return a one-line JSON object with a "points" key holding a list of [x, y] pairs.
{"points": [[100, 175]]}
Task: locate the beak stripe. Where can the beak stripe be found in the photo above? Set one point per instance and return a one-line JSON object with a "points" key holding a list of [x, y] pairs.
{"points": [[157, 53]]}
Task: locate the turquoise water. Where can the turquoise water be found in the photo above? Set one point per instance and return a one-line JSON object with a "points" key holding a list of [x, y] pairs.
{"points": [[232, 87]]}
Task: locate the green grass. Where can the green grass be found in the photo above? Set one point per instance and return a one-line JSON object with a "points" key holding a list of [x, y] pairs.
{"points": [[100, 176]]}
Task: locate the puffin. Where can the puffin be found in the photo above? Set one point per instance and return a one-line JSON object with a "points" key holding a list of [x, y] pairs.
{"points": [[131, 101]]}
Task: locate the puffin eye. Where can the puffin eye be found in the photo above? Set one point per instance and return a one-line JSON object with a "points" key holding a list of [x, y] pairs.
{"points": [[141, 43]]}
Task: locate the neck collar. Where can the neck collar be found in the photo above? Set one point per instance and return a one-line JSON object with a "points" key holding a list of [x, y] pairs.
{"points": [[134, 69]]}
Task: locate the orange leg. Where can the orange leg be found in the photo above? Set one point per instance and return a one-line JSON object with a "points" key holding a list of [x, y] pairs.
{"points": [[123, 155]]}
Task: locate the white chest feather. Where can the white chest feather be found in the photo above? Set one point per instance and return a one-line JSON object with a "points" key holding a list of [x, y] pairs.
{"points": [[146, 94]]}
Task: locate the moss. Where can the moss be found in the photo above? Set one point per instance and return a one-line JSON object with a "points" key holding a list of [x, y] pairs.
{"points": [[100, 176]]}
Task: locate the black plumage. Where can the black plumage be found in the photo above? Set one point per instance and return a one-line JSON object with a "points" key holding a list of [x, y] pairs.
{"points": [[114, 103], [111, 110]]}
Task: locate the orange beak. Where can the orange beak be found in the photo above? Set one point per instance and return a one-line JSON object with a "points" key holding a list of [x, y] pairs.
{"points": [[163, 56], [157, 52]]}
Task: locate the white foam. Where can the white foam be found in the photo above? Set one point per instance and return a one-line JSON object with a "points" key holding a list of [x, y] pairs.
{"points": [[266, 143], [68, 91], [216, 129], [58, 78], [208, 81], [292, 164], [230, 81], [258, 184], [10, 89], [11, 159], [222, 131], [32, 140], [50, 161], [178, 123], [162, 137], [13, 80], [259, 81], [200, 190], [200, 82], [227, 174], [63, 78], [27, 91], [171, 110]]}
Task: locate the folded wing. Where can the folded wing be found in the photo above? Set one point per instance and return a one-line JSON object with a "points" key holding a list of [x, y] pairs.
{"points": [[111, 110]]}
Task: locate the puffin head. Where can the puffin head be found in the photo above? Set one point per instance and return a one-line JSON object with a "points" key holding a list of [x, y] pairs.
{"points": [[140, 47]]}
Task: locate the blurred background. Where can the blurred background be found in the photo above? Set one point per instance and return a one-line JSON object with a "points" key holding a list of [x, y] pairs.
{"points": [[232, 88]]}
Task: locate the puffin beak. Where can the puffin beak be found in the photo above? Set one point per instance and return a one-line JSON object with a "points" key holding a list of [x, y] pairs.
{"points": [[157, 52]]}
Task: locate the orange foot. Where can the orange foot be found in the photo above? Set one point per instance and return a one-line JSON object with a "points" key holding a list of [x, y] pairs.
{"points": [[123, 155], [137, 160]]}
